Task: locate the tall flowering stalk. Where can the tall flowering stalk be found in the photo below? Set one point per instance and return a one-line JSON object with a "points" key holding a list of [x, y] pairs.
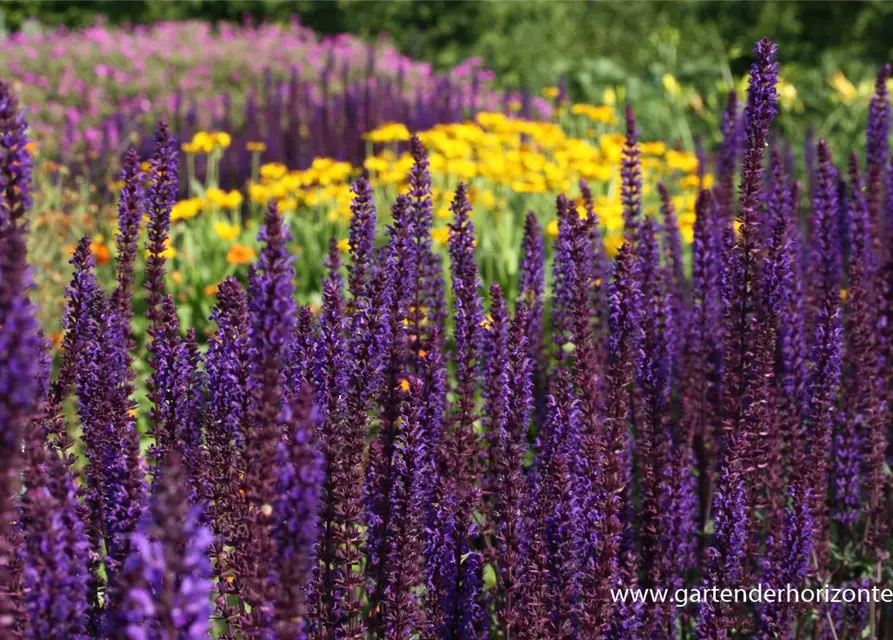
{"points": [[746, 353], [56, 548], [271, 312], [167, 575], [512, 530], [653, 438], [300, 478], [700, 389], [861, 438], [429, 305], [877, 152], [607, 519], [463, 449], [531, 286], [631, 179], [406, 526], [726, 557], [20, 343], [826, 349]]}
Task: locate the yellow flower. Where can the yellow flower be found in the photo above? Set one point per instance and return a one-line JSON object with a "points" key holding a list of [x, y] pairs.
{"points": [[671, 84], [388, 132], [551, 92], [210, 290], [656, 148], [440, 235], [343, 246], [222, 139], [189, 147], [404, 385], [272, 170], [552, 229], [240, 254], [203, 141], [231, 200], [787, 96], [31, 148], [177, 277], [258, 193], [255, 147], [226, 231], [186, 209], [844, 88], [681, 161]]}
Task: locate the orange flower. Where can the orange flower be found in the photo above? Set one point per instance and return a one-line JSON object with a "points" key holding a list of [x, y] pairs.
{"points": [[240, 254], [211, 290], [101, 253]]}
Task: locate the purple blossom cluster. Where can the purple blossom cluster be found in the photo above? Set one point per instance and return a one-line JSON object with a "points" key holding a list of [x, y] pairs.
{"points": [[300, 94], [405, 464]]}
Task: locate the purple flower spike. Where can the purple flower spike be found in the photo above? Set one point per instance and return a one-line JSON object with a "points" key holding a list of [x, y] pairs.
{"points": [[131, 207], [160, 198], [631, 179], [430, 302], [406, 525], [512, 533], [726, 557], [877, 150], [55, 552], [613, 450], [361, 238], [300, 479], [464, 453], [166, 579], [788, 562]]}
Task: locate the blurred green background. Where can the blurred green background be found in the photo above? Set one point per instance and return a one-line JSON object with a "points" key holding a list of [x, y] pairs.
{"points": [[530, 43], [704, 48]]}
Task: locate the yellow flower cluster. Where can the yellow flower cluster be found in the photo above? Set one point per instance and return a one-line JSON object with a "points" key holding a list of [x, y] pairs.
{"points": [[596, 113], [390, 132], [207, 141], [214, 197], [498, 156], [325, 183]]}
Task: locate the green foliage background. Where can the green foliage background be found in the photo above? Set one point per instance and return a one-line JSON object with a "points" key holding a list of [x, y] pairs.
{"points": [[626, 45], [529, 43]]}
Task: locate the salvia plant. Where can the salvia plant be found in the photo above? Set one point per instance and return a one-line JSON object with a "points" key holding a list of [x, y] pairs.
{"points": [[424, 459]]}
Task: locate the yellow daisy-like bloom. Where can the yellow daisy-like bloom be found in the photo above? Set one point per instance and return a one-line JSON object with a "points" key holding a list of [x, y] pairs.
{"points": [[226, 231], [231, 200], [404, 385], [551, 92], [440, 235], [240, 254], [222, 139], [186, 209], [256, 147], [388, 132], [203, 141], [258, 193], [272, 170], [552, 229], [656, 148], [210, 290], [681, 161], [343, 246]]}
